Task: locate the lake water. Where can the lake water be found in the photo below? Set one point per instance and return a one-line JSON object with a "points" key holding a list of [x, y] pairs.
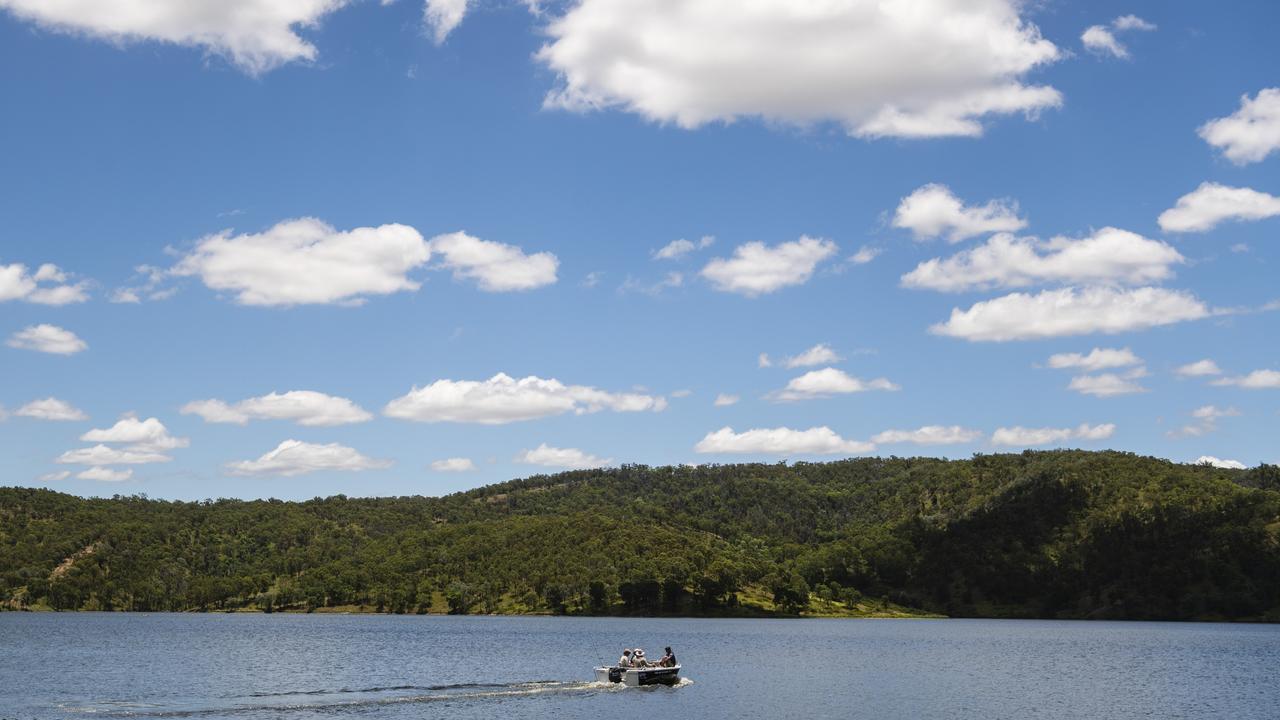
{"points": [[300, 667]]}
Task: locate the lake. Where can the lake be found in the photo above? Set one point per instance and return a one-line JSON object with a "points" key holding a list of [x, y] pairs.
{"points": [[299, 667]]}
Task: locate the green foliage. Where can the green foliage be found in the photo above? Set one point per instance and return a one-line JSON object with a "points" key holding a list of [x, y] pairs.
{"points": [[1036, 534]]}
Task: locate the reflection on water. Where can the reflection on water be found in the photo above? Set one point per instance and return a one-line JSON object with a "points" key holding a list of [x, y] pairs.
{"points": [[300, 667]]}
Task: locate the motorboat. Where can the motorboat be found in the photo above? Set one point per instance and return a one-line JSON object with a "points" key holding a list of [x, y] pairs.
{"points": [[638, 677]]}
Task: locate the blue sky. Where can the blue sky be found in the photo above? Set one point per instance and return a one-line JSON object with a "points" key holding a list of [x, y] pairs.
{"points": [[1117, 195]]}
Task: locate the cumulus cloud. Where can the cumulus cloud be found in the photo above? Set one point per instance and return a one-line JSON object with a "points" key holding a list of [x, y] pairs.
{"points": [[929, 435], [827, 382], [502, 399], [255, 35], [55, 476], [677, 249], [51, 408], [1096, 359], [568, 458], [495, 266], [148, 435], [1028, 437], [757, 269], [149, 284], [725, 400], [455, 464], [1101, 39], [305, 261], [1249, 134], [924, 68], [305, 407], [1108, 256], [865, 254], [1219, 463], [1070, 311], [442, 16], [1107, 384], [672, 280], [294, 457], [820, 354], [46, 286], [1210, 204], [47, 338], [103, 455], [1206, 421], [780, 441], [763, 361], [933, 211], [104, 474], [1256, 380], [1199, 368]]}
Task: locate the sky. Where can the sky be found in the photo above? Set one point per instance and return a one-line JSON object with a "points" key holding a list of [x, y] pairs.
{"points": [[292, 248]]}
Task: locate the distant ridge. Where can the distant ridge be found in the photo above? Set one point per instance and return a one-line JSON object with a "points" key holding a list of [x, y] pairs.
{"points": [[1056, 534]]}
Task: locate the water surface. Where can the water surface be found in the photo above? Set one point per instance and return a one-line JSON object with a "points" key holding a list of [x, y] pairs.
{"points": [[300, 667]]}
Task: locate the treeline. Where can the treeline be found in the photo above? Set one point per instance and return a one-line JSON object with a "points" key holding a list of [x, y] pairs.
{"points": [[1039, 534]]}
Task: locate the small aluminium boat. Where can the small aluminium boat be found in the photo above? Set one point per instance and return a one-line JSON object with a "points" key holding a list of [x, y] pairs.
{"points": [[637, 677]]}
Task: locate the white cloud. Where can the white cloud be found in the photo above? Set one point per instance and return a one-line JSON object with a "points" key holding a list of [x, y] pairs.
{"points": [[55, 476], [918, 68], [826, 382], [294, 457], [495, 266], [103, 455], [1108, 256], [1249, 134], [46, 286], [150, 288], [148, 435], [725, 400], [502, 399], [1132, 22], [570, 458], [456, 464], [757, 269], [1021, 436], [1256, 380], [1199, 368], [820, 354], [682, 393], [47, 339], [1070, 311], [1206, 206], [256, 35], [442, 16], [1219, 463], [865, 254], [51, 409], [1097, 359], [104, 474], [305, 261], [780, 441], [1106, 384], [929, 435], [677, 249], [1206, 422], [1102, 40], [933, 211], [305, 407], [764, 361], [672, 280]]}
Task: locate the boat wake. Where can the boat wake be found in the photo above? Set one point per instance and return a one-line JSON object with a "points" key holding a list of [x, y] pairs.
{"points": [[329, 701]]}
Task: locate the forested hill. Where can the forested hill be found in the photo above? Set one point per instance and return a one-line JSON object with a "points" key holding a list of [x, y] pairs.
{"points": [[1037, 534]]}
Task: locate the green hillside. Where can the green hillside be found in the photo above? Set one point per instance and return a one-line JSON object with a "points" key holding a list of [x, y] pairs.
{"points": [[1040, 534]]}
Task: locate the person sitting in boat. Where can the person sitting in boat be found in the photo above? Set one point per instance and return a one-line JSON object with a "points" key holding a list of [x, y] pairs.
{"points": [[637, 659], [668, 660], [625, 660]]}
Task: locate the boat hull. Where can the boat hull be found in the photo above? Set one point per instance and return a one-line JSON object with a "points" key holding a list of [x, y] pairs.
{"points": [[639, 677]]}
